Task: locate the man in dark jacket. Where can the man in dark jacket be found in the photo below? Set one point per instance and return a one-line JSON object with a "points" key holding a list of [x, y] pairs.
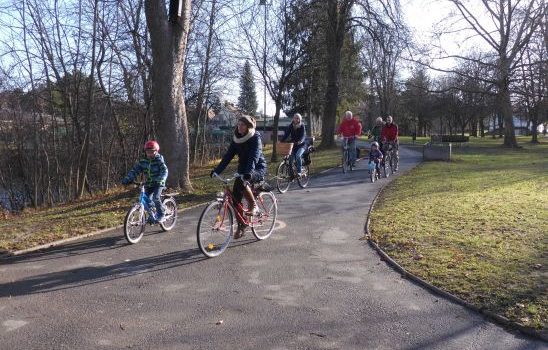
{"points": [[297, 134], [246, 143]]}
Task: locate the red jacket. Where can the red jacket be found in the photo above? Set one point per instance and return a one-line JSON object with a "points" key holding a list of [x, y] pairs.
{"points": [[349, 128], [389, 132]]}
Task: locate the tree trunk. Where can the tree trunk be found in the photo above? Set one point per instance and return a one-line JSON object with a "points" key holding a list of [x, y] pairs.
{"points": [[506, 106], [338, 16], [169, 43], [278, 103]]}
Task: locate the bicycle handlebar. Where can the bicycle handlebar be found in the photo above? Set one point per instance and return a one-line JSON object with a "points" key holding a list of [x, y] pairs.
{"points": [[228, 179]]}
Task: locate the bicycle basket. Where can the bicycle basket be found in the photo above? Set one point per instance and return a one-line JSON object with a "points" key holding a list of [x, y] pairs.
{"points": [[284, 147]]}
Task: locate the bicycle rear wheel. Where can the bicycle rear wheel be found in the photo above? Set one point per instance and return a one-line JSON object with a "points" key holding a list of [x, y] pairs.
{"points": [[215, 228], [283, 177], [134, 224], [262, 224], [170, 212], [305, 176]]}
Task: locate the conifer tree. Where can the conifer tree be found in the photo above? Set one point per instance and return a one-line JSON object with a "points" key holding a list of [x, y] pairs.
{"points": [[247, 101]]}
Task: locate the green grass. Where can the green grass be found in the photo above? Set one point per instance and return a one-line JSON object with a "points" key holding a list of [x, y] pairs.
{"points": [[476, 227], [33, 227]]}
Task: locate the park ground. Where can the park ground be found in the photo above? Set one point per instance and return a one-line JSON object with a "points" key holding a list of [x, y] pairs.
{"points": [[476, 227]]}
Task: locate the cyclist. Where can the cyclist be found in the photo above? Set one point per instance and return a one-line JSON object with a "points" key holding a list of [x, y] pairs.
{"points": [[351, 129], [375, 134], [155, 170], [389, 135], [375, 155], [246, 143], [297, 133]]}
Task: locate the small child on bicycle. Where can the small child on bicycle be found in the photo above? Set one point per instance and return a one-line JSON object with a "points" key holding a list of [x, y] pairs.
{"points": [[375, 155], [153, 166]]}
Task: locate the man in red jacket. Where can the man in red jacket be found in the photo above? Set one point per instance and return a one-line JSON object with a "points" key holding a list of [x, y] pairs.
{"points": [[389, 135], [350, 128]]}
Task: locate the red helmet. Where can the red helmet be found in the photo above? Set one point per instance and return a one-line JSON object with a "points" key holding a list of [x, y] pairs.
{"points": [[152, 145]]}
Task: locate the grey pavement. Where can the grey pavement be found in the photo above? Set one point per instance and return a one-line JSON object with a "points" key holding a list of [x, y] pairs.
{"points": [[312, 285]]}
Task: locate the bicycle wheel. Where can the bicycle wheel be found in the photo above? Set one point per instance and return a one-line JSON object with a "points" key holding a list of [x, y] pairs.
{"points": [[283, 177], [215, 228], [170, 212], [345, 162], [305, 176], [372, 175], [385, 167], [262, 225], [134, 224], [395, 163]]}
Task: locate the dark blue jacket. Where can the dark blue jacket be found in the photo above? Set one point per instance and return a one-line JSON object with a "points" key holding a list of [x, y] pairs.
{"points": [[375, 154], [155, 171], [250, 156], [298, 136]]}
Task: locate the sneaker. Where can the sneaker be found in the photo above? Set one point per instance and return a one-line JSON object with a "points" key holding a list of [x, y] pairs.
{"points": [[161, 219], [240, 231], [299, 175]]}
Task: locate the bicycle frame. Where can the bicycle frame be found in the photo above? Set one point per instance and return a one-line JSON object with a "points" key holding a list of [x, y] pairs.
{"points": [[228, 200]]}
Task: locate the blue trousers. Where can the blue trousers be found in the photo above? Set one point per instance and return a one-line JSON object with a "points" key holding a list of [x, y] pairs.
{"points": [[153, 196], [297, 156]]}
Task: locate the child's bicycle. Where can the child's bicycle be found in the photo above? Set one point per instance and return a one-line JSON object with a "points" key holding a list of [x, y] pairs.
{"points": [[373, 173], [141, 213], [218, 219]]}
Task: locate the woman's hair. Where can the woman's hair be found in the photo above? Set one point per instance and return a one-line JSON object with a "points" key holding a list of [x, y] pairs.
{"points": [[379, 120], [248, 120]]}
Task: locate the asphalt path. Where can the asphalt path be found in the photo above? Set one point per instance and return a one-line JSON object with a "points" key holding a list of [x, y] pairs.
{"points": [[312, 285]]}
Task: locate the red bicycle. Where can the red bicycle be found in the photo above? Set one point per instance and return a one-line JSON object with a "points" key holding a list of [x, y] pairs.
{"points": [[217, 224]]}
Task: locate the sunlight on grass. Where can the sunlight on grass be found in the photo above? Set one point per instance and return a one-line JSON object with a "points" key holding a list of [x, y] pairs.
{"points": [[476, 227]]}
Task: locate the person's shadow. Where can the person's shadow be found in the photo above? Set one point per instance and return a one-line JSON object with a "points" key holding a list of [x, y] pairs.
{"points": [[83, 276]]}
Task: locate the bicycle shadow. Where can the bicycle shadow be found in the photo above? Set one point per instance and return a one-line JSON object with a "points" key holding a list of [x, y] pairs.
{"points": [[83, 276]]}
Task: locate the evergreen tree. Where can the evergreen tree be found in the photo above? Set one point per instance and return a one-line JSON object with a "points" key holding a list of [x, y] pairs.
{"points": [[247, 101]]}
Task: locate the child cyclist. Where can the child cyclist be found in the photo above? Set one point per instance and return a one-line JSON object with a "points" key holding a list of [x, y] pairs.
{"points": [[375, 155], [154, 168]]}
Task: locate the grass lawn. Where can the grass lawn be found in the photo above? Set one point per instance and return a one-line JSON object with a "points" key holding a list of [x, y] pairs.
{"points": [[40, 226], [476, 227]]}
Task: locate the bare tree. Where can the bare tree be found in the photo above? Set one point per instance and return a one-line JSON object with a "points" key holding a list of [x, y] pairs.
{"points": [[507, 28]]}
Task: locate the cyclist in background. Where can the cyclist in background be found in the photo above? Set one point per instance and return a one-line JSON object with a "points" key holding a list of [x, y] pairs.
{"points": [[351, 129], [389, 135], [155, 170], [246, 143], [297, 134], [375, 135], [375, 155]]}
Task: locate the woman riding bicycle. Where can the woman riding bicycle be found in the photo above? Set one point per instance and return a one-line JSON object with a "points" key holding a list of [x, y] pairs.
{"points": [[297, 133], [246, 143]]}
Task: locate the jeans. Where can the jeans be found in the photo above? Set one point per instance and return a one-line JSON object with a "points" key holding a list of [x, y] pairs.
{"points": [[351, 149], [153, 197], [297, 156]]}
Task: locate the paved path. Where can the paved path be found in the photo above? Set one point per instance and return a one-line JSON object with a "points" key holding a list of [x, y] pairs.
{"points": [[312, 285]]}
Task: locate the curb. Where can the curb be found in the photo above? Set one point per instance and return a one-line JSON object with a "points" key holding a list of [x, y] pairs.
{"points": [[75, 238], [498, 319]]}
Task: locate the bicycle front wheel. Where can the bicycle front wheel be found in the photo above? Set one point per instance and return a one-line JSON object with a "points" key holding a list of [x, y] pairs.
{"points": [[262, 224], [345, 162], [372, 175], [283, 177], [170, 212], [385, 167], [215, 229], [305, 176], [134, 224]]}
